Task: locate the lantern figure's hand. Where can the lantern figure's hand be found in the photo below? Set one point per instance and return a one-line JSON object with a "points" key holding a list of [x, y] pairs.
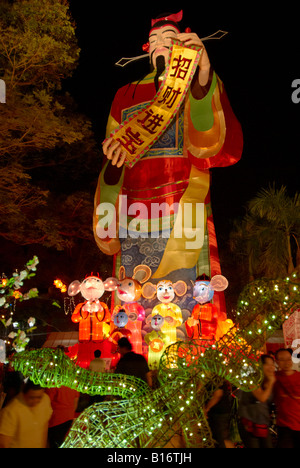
{"points": [[114, 151], [190, 39]]}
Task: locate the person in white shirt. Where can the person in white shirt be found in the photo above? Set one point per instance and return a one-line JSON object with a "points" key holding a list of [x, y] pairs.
{"points": [[24, 421], [97, 364]]}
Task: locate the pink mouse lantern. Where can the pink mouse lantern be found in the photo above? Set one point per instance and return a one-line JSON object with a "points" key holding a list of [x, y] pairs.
{"points": [[129, 291]]}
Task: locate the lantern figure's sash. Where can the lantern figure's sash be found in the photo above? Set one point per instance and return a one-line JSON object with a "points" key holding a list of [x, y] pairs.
{"points": [[138, 133]]}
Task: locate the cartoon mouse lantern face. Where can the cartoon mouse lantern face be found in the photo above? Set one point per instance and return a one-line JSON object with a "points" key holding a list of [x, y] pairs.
{"points": [[92, 287], [204, 289], [130, 289], [165, 292], [202, 292], [121, 319], [157, 322]]}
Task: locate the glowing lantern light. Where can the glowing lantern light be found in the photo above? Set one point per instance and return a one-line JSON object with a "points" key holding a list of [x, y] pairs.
{"points": [[60, 285]]}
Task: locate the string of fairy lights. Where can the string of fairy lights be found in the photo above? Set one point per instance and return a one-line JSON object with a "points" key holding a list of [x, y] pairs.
{"points": [[189, 373]]}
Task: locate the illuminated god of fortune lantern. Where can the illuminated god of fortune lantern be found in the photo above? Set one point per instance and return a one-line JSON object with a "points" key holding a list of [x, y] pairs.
{"points": [[205, 319], [165, 292], [129, 291], [92, 315]]}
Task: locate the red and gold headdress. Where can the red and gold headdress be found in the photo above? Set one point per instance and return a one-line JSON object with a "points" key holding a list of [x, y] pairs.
{"points": [[162, 20]]}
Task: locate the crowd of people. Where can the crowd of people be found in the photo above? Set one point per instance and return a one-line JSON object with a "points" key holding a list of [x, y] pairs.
{"points": [[268, 417], [33, 417]]}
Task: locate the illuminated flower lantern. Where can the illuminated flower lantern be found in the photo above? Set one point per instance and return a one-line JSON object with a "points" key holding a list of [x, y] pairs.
{"points": [[129, 291], [92, 315], [165, 292], [157, 340], [205, 317]]}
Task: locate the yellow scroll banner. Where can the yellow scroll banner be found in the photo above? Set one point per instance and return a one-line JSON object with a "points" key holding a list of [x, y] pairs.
{"points": [[138, 133]]}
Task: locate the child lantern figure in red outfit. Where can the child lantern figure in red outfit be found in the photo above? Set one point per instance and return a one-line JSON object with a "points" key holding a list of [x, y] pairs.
{"points": [[92, 315], [203, 322]]}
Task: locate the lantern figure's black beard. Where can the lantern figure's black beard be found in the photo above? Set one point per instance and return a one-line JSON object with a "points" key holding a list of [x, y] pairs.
{"points": [[160, 67]]}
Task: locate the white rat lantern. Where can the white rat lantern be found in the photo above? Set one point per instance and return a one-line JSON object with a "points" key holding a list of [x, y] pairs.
{"points": [[92, 315]]}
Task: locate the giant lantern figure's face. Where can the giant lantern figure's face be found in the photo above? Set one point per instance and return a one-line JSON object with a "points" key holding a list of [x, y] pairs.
{"points": [[160, 42]]}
